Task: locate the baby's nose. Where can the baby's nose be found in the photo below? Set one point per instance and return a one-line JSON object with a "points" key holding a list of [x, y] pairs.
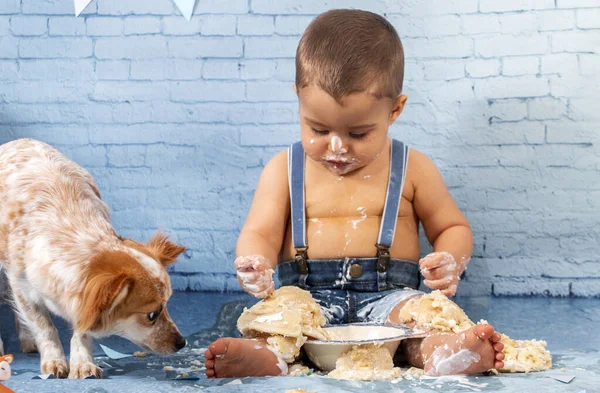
{"points": [[337, 145]]}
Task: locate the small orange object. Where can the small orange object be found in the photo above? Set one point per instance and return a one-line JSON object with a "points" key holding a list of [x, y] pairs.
{"points": [[5, 362]]}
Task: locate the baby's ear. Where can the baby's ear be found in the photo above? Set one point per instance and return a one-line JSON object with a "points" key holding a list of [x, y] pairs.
{"points": [[165, 251]]}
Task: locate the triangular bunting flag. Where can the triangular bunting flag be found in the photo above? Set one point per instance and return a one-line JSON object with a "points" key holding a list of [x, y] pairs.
{"points": [[186, 7], [80, 5]]}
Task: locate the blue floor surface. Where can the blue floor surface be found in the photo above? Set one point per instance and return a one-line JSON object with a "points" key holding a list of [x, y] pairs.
{"points": [[568, 325]]}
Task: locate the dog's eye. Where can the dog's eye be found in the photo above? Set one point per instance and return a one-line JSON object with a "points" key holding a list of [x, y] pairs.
{"points": [[153, 315]]}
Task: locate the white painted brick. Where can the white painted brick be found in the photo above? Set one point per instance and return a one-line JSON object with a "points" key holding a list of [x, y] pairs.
{"points": [[508, 45], [431, 7], [588, 18], [257, 69], [197, 47], [444, 69], [104, 27], [575, 86], [577, 3], [207, 91], [53, 7], [562, 63], [451, 47], [521, 65], [291, 25], [130, 91], [166, 69], [29, 25], [135, 7], [584, 110], [585, 288], [449, 91], [218, 25], [518, 23], [255, 25], [267, 135], [221, 69], [413, 70], [556, 20], [270, 47], [431, 26], [126, 156], [285, 70], [500, 87], [55, 47], [223, 25], [112, 70], [589, 64], [514, 5], [10, 7], [66, 25], [270, 91], [546, 108], [480, 23], [134, 47], [8, 70], [141, 25], [4, 26], [57, 70], [483, 68], [572, 133], [221, 7], [587, 41], [507, 110], [46, 91]]}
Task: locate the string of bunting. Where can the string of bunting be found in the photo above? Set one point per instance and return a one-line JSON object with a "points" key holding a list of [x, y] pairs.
{"points": [[185, 6]]}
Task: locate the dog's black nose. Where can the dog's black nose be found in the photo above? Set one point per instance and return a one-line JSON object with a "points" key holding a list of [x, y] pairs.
{"points": [[180, 343]]}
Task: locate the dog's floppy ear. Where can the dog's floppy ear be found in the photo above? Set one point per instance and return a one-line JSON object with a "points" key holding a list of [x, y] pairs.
{"points": [[107, 285], [163, 250], [7, 358]]}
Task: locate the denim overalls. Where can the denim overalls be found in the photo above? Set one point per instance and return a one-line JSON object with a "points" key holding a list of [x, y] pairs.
{"points": [[351, 289]]}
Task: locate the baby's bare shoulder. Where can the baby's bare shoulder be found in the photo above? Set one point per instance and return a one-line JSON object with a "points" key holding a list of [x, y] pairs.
{"points": [[420, 168], [276, 169]]}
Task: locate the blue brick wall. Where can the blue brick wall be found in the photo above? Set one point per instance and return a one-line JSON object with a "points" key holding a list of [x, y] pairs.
{"points": [[175, 120]]}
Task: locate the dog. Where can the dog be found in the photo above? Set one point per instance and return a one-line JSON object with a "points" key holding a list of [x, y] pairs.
{"points": [[61, 255]]}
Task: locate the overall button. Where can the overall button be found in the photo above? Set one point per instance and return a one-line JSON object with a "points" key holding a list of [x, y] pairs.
{"points": [[356, 270]]}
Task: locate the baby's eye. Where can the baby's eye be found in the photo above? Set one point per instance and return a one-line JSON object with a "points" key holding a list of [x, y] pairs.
{"points": [[358, 136], [320, 132]]}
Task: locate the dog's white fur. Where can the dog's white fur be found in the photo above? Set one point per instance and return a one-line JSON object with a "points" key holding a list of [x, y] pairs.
{"points": [[61, 254]]}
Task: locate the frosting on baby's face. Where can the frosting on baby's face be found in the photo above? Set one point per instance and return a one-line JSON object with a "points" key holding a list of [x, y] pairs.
{"points": [[348, 135]]}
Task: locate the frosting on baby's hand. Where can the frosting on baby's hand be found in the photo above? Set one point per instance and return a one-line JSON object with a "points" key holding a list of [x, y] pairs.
{"points": [[255, 275]]}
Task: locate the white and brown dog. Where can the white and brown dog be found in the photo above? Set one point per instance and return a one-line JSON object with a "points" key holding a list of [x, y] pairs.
{"points": [[62, 255]]}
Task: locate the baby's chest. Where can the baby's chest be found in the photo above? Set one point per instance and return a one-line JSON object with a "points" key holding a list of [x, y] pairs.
{"points": [[350, 200]]}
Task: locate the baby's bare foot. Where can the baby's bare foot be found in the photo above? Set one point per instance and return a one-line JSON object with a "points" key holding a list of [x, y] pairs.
{"points": [[470, 352], [239, 357]]}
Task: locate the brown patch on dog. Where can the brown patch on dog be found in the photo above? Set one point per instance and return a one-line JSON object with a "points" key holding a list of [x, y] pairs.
{"points": [[110, 273], [164, 251]]}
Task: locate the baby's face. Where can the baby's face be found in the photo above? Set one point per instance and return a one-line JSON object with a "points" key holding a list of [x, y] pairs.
{"points": [[346, 137]]}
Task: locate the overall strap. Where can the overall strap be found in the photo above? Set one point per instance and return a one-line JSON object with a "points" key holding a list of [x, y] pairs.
{"points": [[398, 164], [298, 212]]}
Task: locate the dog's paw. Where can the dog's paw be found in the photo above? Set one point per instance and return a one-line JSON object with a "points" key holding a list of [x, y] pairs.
{"points": [[28, 345], [58, 367], [84, 370]]}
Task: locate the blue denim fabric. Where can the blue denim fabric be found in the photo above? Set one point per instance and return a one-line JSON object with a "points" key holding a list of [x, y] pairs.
{"points": [[341, 306], [335, 274]]}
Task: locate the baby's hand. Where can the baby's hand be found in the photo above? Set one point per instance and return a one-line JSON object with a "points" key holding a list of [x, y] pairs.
{"points": [[255, 275], [441, 271]]}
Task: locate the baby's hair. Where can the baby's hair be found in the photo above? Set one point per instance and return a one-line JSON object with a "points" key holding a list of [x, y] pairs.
{"points": [[348, 51]]}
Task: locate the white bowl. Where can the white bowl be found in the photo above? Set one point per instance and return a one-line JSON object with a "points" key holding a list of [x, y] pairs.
{"points": [[324, 354]]}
